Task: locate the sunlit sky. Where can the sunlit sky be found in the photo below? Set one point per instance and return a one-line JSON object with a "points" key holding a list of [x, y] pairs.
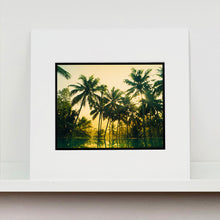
{"points": [[110, 75]]}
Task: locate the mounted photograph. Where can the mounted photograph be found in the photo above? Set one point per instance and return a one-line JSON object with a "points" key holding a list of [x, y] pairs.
{"points": [[110, 106]]}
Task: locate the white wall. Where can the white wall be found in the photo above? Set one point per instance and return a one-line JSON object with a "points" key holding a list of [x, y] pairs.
{"points": [[200, 16], [19, 17]]}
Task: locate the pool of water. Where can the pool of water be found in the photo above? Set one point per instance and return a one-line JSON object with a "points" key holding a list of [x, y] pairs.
{"points": [[80, 143]]}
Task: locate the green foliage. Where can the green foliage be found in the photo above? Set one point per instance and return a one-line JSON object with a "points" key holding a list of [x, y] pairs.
{"points": [[139, 82], [158, 85], [85, 92], [66, 117], [65, 114], [83, 128], [135, 113], [63, 72]]}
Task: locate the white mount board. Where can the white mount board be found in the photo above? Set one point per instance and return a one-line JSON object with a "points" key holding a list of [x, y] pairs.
{"points": [[150, 45]]}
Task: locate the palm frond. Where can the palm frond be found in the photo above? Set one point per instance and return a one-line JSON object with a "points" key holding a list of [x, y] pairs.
{"points": [[129, 82], [146, 74], [131, 90], [95, 114], [73, 92], [63, 72], [78, 98], [83, 78]]}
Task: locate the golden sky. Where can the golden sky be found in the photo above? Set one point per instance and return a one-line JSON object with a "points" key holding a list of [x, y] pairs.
{"points": [[110, 75]]}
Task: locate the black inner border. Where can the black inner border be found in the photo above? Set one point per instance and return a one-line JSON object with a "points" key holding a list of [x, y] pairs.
{"points": [[111, 63]]}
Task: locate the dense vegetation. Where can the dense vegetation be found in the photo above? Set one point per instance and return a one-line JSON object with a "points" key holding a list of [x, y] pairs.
{"points": [[135, 113]]}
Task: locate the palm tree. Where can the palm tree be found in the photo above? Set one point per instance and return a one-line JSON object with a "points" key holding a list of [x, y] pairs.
{"points": [[63, 72], [112, 102], [119, 116], [158, 85], [102, 89], [86, 92], [139, 84], [153, 106], [128, 109], [107, 115], [97, 109]]}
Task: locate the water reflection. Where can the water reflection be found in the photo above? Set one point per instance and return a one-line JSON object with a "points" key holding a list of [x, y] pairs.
{"points": [[80, 143]]}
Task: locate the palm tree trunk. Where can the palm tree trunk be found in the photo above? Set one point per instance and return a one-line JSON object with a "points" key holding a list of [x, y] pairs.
{"points": [[99, 123], [117, 129], [143, 116], [127, 128], [100, 127], [79, 111], [150, 131], [100, 114], [106, 127], [109, 130], [112, 130]]}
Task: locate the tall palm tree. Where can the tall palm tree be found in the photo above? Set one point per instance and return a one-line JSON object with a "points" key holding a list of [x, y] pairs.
{"points": [[139, 84], [102, 89], [107, 115], [86, 92], [158, 85], [98, 109], [112, 102], [63, 72], [128, 108], [153, 106], [119, 116]]}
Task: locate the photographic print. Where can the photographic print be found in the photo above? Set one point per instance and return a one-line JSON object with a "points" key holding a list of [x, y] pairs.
{"points": [[111, 106], [110, 103]]}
